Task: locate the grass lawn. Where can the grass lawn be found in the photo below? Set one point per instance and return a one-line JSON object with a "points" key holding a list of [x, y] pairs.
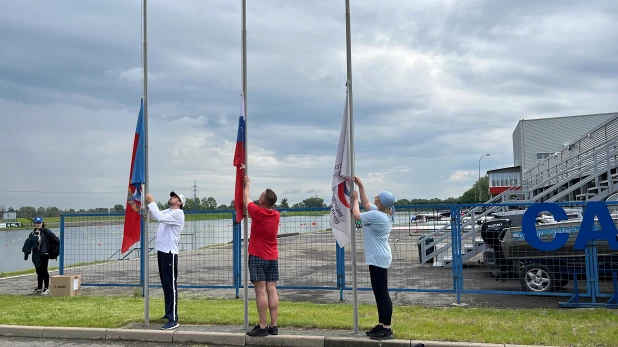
{"points": [[51, 268], [585, 327]]}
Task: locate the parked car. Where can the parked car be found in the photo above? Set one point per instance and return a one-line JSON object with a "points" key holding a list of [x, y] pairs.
{"points": [[539, 271]]}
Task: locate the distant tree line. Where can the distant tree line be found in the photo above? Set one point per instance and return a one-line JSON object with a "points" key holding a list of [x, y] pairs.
{"points": [[210, 204]]}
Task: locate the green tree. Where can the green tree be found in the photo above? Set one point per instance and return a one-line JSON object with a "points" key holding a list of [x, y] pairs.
{"points": [[52, 211], [314, 202], [190, 205], [209, 204], [284, 203], [471, 194], [118, 208], [223, 207], [402, 202], [26, 212]]}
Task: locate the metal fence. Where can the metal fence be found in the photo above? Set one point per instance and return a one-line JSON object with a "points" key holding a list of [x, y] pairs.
{"points": [[433, 248]]}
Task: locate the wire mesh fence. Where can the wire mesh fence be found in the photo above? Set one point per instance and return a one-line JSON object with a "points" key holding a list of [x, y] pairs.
{"points": [[436, 248]]}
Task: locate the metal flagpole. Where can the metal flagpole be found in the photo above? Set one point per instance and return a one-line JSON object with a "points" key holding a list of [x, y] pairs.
{"points": [[245, 221], [351, 134], [146, 253]]}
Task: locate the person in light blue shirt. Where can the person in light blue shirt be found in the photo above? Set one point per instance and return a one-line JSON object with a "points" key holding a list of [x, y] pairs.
{"points": [[377, 223]]}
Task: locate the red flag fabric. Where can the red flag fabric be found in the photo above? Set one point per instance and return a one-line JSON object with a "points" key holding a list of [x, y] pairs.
{"points": [[133, 216], [239, 162]]}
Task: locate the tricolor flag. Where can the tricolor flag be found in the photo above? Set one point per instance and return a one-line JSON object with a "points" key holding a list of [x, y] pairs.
{"points": [[340, 207], [239, 162], [137, 177]]}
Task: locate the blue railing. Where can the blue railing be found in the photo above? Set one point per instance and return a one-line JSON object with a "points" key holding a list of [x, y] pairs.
{"points": [[310, 259]]}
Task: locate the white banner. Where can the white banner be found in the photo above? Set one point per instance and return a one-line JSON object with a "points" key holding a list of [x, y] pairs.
{"points": [[340, 206]]}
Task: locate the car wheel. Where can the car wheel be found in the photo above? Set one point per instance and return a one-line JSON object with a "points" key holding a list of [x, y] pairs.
{"points": [[538, 278]]}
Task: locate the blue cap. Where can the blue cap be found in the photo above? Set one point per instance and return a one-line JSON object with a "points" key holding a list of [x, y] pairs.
{"points": [[38, 220], [387, 199]]}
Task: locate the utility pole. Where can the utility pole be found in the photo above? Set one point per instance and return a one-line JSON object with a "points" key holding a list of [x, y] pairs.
{"points": [[195, 195]]}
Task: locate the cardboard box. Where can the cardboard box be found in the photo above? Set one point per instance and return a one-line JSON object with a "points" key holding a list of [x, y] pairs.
{"points": [[65, 285]]}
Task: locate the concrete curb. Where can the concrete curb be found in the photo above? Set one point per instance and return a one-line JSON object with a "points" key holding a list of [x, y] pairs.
{"points": [[229, 339], [221, 338], [74, 333], [140, 335]]}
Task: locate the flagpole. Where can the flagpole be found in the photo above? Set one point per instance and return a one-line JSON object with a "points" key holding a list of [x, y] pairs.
{"points": [[146, 253], [351, 134], [245, 220]]}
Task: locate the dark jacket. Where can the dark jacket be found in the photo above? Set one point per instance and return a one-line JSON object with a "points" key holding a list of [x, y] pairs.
{"points": [[32, 246], [49, 245]]}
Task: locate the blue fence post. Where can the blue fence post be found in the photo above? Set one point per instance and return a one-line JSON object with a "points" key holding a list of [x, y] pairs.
{"points": [[236, 254], [592, 270], [143, 253], [61, 266], [340, 254], [456, 251]]}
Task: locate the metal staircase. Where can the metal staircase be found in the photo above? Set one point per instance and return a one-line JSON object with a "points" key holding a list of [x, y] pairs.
{"points": [[585, 170]]}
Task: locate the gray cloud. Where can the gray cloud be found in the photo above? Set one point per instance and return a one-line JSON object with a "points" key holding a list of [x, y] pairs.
{"points": [[436, 85]]}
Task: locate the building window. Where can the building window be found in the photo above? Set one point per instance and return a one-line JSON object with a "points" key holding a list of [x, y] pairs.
{"points": [[504, 179], [541, 156]]}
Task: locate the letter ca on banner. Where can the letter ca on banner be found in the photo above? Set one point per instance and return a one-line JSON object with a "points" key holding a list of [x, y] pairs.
{"points": [[607, 230]]}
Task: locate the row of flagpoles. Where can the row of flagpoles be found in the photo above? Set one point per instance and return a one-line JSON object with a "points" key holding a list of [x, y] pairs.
{"points": [[136, 223]]}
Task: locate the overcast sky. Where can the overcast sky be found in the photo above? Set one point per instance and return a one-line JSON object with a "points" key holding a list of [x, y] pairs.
{"points": [[438, 83]]}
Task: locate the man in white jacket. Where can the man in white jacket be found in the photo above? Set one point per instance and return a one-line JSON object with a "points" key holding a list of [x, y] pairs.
{"points": [[171, 222]]}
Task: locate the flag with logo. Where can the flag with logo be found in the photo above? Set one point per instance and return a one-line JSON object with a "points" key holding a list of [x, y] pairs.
{"points": [[137, 177], [340, 204], [239, 162]]}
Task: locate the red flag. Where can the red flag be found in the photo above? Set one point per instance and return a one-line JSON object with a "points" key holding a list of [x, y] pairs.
{"points": [[239, 162], [133, 216]]}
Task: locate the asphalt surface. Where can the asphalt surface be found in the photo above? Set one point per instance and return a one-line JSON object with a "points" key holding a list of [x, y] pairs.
{"points": [[39, 342], [309, 260]]}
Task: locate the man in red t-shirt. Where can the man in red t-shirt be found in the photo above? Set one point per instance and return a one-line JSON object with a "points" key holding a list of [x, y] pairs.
{"points": [[263, 258]]}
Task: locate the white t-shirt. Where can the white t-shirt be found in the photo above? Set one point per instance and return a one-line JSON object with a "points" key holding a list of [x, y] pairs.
{"points": [[171, 223]]}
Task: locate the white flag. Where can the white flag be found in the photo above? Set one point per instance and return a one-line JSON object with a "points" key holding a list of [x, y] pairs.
{"points": [[340, 207]]}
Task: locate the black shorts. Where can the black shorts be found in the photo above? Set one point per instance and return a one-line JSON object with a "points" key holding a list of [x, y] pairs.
{"points": [[263, 270]]}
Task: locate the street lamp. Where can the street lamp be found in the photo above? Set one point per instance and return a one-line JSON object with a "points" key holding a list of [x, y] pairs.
{"points": [[479, 181]]}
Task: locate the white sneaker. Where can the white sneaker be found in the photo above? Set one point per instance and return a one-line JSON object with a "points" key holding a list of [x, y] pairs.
{"points": [[38, 291], [45, 292]]}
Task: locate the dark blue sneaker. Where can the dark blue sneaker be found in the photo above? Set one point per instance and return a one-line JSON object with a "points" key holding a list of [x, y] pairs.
{"points": [[170, 325], [273, 330]]}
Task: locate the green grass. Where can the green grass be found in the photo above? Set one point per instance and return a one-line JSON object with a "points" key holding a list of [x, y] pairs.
{"points": [[53, 268], [208, 216], [589, 327]]}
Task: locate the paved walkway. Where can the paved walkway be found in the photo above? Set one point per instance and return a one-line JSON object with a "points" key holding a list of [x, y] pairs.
{"points": [[217, 336]]}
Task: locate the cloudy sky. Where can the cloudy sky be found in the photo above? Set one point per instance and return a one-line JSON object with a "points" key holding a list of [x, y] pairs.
{"points": [[438, 83]]}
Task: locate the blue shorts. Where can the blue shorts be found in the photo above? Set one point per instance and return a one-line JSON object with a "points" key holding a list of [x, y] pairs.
{"points": [[263, 270]]}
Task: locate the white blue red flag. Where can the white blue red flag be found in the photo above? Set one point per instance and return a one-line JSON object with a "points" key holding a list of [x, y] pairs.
{"points": [[137, 177], [340, 204]]}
